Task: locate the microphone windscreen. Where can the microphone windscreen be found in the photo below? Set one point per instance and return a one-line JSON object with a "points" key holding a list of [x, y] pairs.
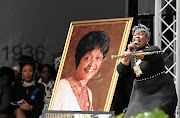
{"points": [[136, 42]]}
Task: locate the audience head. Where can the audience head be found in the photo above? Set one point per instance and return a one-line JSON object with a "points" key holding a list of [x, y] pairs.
{"points": [[16, 69], [57, 60], [141, 28], [46, 72], [142, 34], [7, 72], [27, 67]]}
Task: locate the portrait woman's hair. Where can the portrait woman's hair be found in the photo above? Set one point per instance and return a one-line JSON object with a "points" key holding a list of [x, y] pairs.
{"points": [[90, 41]]}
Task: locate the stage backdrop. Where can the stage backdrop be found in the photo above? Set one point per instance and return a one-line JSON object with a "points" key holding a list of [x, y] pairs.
{"points": [[38, 27]]}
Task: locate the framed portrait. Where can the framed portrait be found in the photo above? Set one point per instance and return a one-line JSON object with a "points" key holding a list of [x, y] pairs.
{"points": [[77, 114], [103, 83]]}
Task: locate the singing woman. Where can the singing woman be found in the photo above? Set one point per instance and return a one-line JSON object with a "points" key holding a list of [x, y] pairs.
{"points": [[152, 87]]}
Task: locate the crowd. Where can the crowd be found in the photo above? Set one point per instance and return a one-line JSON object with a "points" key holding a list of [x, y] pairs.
{"points": [[26, 88]]}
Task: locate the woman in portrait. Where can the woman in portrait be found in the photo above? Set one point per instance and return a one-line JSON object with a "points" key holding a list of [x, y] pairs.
{"points": [[27, 94], [152, 87], [72, 92]]}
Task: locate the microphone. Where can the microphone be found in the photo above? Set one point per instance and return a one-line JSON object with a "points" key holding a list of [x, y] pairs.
{"points": [[131, 48]]}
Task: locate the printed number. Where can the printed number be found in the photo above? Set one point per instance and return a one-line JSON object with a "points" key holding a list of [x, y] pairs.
{"points": [[39, 53], [17, 51], [6, 51], [29, 50]]}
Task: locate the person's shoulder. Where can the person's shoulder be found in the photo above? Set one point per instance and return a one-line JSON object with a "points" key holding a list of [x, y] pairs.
{"points": [[39, 80], [153, 47], [40, 86], [16, 85], [51, 81], [63, 83]]}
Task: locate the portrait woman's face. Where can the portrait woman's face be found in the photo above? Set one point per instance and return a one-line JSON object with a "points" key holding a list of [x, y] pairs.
{"points": [[27, 73], [141, 37], [89, 64]]}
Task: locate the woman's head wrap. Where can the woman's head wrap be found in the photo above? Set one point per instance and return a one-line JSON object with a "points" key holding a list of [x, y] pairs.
{"points": [[141, 28]]}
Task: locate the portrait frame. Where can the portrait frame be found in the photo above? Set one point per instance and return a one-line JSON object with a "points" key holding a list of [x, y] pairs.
{"points": [[104, 83]]}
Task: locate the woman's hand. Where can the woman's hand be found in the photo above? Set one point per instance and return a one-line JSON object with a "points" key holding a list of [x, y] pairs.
{"points": [[141, 56], [132, 45], [25, 106], [127, 57], [127, 54]]}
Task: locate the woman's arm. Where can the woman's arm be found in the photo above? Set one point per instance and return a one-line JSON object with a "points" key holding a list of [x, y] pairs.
{"points": [[152, 57], [25, 106], [123, 70], [38, 103]]}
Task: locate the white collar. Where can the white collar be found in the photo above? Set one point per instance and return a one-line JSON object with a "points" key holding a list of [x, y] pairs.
{"points": [[29, 83]]}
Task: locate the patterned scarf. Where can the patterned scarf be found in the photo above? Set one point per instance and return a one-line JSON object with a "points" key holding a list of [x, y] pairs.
{"points": [[81, 95]]}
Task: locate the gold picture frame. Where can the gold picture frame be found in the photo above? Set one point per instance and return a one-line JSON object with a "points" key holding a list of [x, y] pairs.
{"points": [[104, 85], [77, 114]]}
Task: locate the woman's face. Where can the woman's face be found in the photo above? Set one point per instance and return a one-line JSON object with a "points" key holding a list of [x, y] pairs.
{"points": [[141, 37], [45, 74], [89, 64], [27, 73]]}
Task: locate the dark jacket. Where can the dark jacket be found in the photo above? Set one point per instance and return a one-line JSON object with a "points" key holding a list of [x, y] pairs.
{"points": [[152, 89], [34, 97], [4, 97]]}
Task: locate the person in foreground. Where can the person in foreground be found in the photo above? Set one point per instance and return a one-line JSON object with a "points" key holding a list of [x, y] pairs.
{"points": [[152, 87], [7, 76], [27, 95], [72, 92]]}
